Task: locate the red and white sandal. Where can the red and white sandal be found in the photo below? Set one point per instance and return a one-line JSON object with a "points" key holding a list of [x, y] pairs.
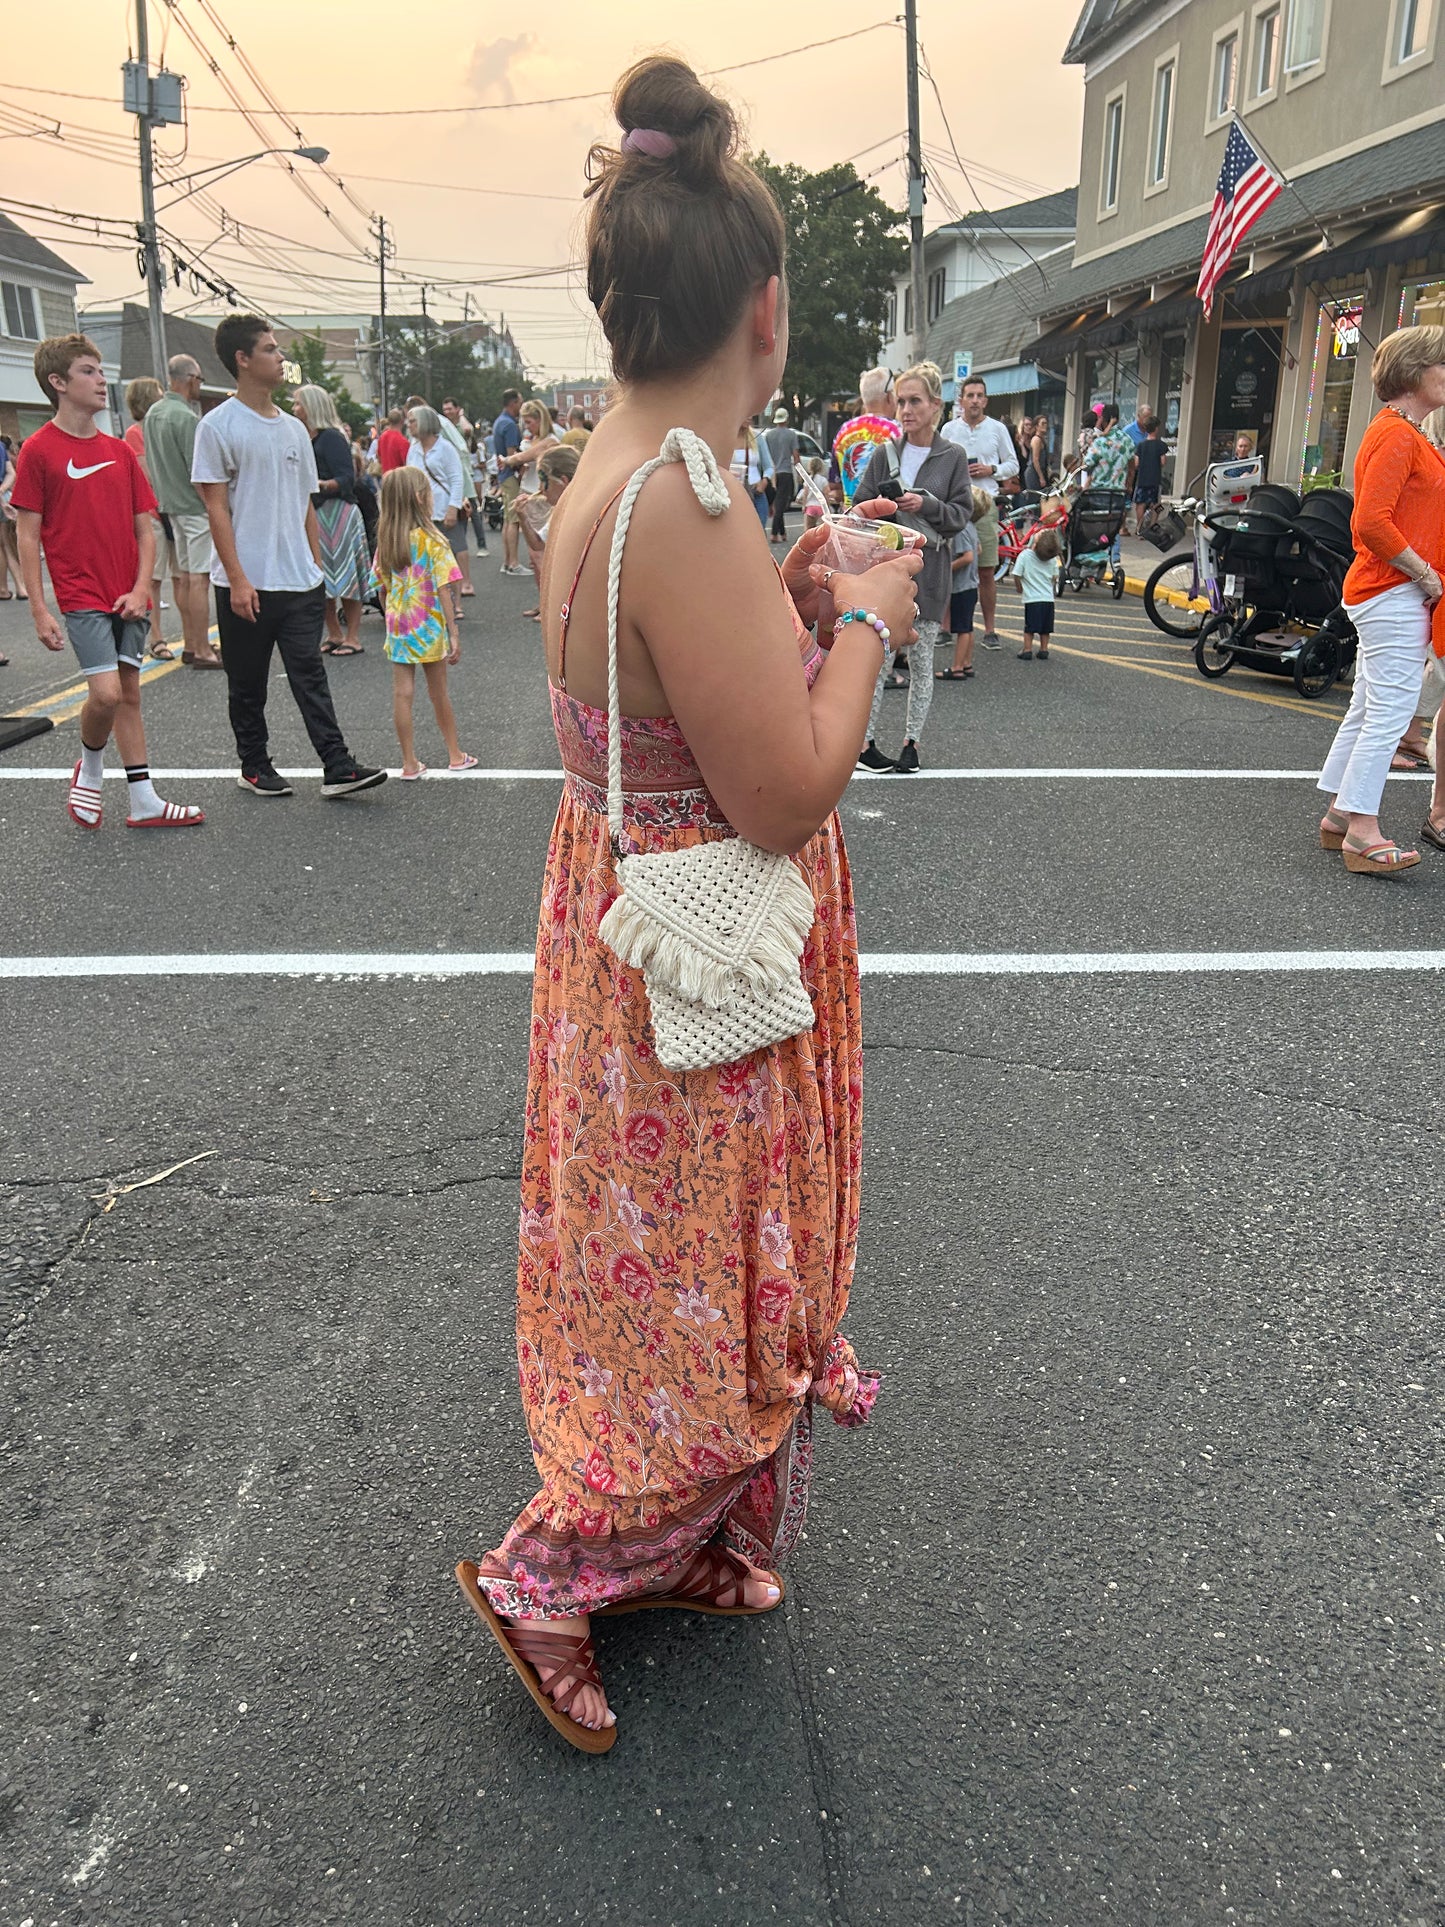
{"points": [[83, 805], [173, 816]]}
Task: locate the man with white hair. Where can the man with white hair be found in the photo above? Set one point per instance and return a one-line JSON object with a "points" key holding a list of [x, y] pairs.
{"points": [[170, 443]]}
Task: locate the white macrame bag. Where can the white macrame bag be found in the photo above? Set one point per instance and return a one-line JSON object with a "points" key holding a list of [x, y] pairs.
{"points": [[718, 930]]}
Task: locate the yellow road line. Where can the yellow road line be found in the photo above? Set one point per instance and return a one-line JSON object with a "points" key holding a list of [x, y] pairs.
{"points": [[1193, 682], [73, 696]]}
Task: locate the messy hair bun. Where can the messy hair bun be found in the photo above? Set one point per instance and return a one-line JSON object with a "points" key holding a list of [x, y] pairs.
{"points": [[681, 232]]}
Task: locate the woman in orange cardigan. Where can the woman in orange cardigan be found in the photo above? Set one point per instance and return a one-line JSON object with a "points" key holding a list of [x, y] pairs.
{"points": [[1391, 592]]}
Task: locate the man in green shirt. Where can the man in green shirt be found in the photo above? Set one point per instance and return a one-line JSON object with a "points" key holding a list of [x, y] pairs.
{"points": [[170, 439]]}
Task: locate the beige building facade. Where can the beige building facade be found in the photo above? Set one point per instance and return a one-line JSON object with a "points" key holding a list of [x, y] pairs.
{"points": [[1347, 98]]}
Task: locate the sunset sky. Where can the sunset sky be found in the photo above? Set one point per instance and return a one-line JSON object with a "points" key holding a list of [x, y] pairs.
{"points": [[1014, 112]]}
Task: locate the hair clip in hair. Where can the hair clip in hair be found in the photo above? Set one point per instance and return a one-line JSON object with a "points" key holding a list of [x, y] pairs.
{"points": [[648, 140]]}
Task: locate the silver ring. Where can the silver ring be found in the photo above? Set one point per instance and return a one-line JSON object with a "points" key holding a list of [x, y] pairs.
{"points": [[827, 577]]}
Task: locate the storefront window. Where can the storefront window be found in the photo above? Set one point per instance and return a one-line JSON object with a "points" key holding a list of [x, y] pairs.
{"points": [[1113, 376], [1245, 388], [1171, 384], [1332, 379], [1422, 304]]}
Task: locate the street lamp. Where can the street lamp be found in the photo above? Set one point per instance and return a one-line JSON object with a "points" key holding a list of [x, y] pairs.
{"points": [[150, 247], [222, 168]]}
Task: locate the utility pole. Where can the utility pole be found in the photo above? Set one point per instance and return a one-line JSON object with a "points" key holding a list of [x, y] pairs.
{"points": [[425, 343], [915, 183], [379, 229], [149, 248]]}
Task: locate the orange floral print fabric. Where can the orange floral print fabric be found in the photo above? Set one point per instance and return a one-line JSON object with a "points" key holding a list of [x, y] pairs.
{"points": [[687, 1239]]}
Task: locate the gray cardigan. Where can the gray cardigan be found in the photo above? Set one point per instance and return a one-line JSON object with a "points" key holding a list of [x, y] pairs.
{"points": [[943, 482]]}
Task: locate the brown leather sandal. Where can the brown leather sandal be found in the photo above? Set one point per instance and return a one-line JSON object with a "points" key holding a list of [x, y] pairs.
{"points": [[713, 1583], [527, 1646]]}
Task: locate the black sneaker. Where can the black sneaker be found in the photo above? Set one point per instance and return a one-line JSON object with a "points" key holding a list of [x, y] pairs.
{"points": [[347, 778], [907, 764], [264, 782], [873, 758]]}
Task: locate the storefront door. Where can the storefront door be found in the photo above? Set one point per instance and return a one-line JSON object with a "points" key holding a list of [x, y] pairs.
{"points": [[1245, 389]]}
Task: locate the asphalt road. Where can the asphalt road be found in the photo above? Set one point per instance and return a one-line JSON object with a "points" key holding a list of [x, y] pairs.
{"points": [[1127, 1607]]}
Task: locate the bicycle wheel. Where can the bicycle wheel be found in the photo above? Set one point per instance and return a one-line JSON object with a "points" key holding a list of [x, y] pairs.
{"points": [[1175, 573], [1212, 655]]}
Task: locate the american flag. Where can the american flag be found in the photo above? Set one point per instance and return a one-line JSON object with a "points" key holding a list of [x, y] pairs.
{"points": [[1247, 184]]}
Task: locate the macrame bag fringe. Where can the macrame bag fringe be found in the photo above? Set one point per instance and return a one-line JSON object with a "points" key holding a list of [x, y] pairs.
{"points": [[717, 930]]}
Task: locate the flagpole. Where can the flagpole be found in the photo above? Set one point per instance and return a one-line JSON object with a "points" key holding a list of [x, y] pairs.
{"points": [[1259, 147], [1326, 300]]}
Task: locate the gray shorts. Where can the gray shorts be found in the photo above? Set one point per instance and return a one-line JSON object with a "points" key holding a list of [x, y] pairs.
{"points": [[101, 640]]}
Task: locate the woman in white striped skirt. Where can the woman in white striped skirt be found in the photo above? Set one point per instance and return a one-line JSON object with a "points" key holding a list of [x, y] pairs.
{"points": [[344, 558]]}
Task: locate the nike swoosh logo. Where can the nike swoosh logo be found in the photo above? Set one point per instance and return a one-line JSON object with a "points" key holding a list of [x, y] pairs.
{"points": [[79, 474]]}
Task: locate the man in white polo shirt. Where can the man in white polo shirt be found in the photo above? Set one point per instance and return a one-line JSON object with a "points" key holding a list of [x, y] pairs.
{"points": [[992, 458]]}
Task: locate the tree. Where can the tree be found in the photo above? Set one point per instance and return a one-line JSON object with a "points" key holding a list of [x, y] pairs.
{"points": [[309, 353], [436, 363], [843, 256]]}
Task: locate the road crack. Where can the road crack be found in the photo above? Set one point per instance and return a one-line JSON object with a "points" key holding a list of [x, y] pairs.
{"points": [[1175, 1084]]}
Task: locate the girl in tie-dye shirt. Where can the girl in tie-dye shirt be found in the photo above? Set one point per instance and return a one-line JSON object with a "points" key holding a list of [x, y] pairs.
{"points": [[413, 574]]}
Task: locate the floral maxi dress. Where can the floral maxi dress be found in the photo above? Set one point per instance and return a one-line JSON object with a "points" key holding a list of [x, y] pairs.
{"points": [[687, 1238]]}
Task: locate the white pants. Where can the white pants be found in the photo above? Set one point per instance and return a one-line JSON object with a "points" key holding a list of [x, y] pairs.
{"points": [[920, 681], [1394, 632]]}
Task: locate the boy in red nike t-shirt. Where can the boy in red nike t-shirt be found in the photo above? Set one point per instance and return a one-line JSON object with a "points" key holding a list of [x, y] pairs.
{"points": [[81, 496]]}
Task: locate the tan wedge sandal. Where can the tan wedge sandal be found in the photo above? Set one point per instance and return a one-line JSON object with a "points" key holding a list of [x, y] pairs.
{"points": [[528, 1645], [1383, 859], [712, 1584]]}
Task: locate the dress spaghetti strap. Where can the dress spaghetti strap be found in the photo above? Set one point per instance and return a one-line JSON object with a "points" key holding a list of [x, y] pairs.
{"points": [[566, 611]]}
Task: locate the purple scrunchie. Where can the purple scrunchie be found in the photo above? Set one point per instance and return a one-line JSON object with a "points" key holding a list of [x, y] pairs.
{"points": [[648, 140]]}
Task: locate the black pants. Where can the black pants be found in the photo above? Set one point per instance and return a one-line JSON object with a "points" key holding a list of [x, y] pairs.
{"points": [[288, 620], [782, 499]]}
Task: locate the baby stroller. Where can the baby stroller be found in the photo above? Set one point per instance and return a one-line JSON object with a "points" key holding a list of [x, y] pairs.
{"points": [[1283, 561], [1096, 517]]}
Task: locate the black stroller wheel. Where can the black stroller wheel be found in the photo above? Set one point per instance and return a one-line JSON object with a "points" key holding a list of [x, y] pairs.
{"points": [[1078, 585], [1118, 585], [1213, 657], [1317, 666]]}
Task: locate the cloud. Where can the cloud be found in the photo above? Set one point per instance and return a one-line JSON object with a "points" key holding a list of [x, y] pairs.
{"points": [[492, 63]]}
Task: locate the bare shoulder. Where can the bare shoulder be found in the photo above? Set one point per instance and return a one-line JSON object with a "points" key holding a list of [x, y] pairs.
{"points": [[672, 527]]}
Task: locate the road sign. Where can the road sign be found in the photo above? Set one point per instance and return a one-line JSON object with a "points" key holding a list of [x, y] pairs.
{"points": [[962, 365]]}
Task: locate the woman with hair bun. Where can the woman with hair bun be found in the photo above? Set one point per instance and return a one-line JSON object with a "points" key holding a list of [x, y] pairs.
{"points": [[687, 1238]]}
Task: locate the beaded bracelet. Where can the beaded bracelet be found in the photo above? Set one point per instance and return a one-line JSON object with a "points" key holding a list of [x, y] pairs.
{"points": [[873, 621]]}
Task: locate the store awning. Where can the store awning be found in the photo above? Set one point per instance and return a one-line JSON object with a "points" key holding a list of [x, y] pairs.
{"points": [[1020, 380]]}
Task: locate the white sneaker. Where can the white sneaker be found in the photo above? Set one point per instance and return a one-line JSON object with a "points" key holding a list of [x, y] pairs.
{"points": [[516, 569]]}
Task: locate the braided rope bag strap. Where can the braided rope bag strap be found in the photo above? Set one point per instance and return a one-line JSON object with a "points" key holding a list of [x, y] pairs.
{"points": [[717, 930]]}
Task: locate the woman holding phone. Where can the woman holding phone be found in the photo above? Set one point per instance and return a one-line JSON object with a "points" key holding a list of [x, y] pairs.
{"points": [[924, 481]]}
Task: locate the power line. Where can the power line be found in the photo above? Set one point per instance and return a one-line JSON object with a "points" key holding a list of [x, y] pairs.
{"points": [[943, 111], [465, 187], [253, 120], [476, 107]]}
